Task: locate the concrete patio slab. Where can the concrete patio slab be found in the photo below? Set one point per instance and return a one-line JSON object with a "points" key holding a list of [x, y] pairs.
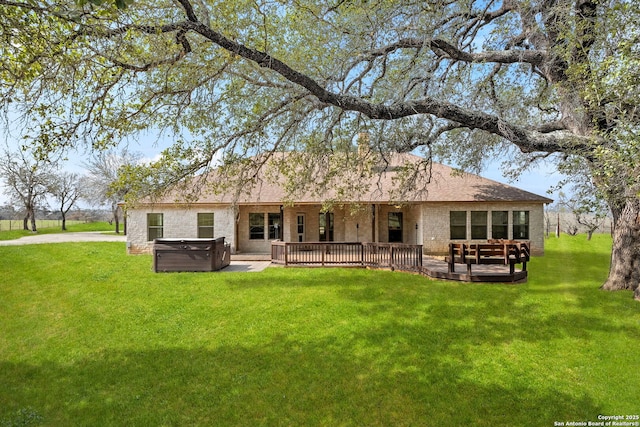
{"points": [[246, 266]]}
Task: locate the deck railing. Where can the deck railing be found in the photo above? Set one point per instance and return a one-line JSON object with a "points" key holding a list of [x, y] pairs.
{"points": [[393, 256], [376, 255]]}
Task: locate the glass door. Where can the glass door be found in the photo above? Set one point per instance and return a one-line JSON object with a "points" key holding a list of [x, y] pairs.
{"points": [[300, 228], [395, 227], [326, 227]]}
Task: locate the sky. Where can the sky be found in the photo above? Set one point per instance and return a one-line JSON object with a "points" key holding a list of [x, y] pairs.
{"points": [[539, 180]]}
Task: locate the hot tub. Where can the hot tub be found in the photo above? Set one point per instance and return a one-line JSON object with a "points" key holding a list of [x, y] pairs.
{"points": [[190, 254]]}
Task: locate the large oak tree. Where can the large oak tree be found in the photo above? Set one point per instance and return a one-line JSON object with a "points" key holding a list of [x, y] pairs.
{"points": [[457, 79]]}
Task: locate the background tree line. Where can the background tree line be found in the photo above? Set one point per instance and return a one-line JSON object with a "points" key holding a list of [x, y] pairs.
{"points": [[36, 185]]}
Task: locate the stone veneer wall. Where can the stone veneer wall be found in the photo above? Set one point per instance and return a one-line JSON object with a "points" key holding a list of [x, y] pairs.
{"points": [[246, 245], [348, 226], [411, 216], [178, 223], [436, 230]]}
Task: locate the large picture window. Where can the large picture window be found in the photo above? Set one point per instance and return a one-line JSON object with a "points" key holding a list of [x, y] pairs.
{"points": [[256, 226], [155, 226], [521, 225], [458, 224], [499, 225], [205, 225], [479, 224]]}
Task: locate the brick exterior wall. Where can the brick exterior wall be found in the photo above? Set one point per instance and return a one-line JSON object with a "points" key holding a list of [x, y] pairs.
{"points": [[178, 223], [247, 245], [411, 216], [426, 224], [349, 225], [436, 229]]}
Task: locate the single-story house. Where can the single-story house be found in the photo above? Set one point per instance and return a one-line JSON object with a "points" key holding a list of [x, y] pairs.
{"points": [[456, 207]]}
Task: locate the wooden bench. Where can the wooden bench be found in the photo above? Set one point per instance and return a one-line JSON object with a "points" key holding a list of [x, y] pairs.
{"points": [[496, 252]]}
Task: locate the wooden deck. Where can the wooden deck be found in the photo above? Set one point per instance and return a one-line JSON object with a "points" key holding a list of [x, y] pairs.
{"points": [[439, 269], [391, 256]]}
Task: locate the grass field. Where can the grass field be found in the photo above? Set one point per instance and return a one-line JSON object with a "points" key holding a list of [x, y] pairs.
{"points": [[17, 232], [91, 336]]}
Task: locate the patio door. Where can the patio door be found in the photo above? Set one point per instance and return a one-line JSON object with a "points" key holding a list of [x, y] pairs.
{"points": [[395, 227], [326, 227]]}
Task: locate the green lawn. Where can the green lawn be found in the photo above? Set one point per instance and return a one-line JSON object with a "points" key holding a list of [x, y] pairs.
{"points": [[91, 336], [72, 226]]}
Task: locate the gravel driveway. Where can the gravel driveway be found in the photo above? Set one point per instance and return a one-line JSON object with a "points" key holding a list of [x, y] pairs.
{"points": [[90, 236]]}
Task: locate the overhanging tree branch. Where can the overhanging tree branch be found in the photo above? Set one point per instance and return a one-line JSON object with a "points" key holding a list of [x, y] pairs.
{"points": [[533, 57], [549, 139], [527, 140]]}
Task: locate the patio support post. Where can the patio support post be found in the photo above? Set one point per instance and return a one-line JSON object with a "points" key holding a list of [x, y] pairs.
{"points": [[286, 254], [452, 263], [391, 255]]}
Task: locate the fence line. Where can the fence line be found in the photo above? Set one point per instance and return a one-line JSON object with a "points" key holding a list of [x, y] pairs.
{"points": [[569, 225], [17, 224]]}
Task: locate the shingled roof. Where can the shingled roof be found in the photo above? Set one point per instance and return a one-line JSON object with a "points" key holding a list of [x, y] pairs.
{"points": [[445, 185]]}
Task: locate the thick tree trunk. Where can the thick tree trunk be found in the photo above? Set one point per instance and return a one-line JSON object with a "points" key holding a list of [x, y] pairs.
{"points": [[30, 215], [33, 222], [63, 214], [624, 272]]}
